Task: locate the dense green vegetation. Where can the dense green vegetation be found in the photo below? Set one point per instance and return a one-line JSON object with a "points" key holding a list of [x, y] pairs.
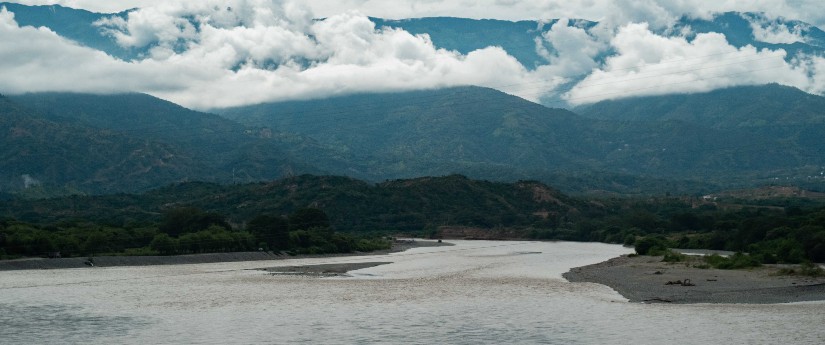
{"points": [[477, 131], [316, 214], [438, 132], [72, 144], [197, 146], [75, 143], [304, 214], [755, 131], [40, 154], [183, 230], [351, 205], [768, 234]]}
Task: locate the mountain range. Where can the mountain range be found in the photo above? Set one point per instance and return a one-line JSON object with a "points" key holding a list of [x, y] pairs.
{"points": [[69, 143], [65, 143], [70, 158], [759, 127], [132, 142], [490, 134]]}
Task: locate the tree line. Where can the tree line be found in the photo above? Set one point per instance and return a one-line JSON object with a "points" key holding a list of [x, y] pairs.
{"points": [[185, 230], [781, 232], [270, 216]]}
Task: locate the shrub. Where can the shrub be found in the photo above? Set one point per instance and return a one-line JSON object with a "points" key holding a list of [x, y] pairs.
{"points": [[811, 270], [650, 246], [143, 251], [671, 256], [735, 261], [805, 269], [629, 240], [164, 244]]}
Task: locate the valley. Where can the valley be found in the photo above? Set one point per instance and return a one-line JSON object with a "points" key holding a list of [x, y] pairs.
{"points": [[460, 172]]}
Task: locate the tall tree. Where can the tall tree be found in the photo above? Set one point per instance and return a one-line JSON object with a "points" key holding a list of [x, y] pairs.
{"points": [[308, 218], [274, 230]]}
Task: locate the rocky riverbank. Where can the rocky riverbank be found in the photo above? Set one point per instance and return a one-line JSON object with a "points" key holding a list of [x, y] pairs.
{"points": [[648, 279]]}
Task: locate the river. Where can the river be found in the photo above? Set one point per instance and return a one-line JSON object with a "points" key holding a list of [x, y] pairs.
{"points": [[474, 292]]}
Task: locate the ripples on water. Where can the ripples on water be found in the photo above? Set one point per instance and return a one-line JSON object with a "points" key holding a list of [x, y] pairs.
{"points": [[475, 292], [42, 324]]}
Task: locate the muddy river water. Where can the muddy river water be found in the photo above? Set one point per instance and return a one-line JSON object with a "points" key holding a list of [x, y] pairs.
{"points": [[474, 292]]}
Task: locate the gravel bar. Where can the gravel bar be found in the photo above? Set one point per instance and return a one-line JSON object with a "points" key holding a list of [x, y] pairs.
{"points": [[645, 279]]}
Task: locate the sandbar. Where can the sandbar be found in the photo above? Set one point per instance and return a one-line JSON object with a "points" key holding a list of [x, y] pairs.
{"points": [[645, 279]]}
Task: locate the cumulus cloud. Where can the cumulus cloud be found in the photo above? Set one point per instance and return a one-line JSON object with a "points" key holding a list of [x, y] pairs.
{"points": [[574, 50], [775, 30], [651, 64], [206, 54], [811, 11], [226, 53], [37, 59], [655, 12]]}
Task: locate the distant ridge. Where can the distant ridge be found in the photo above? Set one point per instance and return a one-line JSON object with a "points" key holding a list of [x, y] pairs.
{"points": [[478, 132], [435, 132], [734, 107], [200, 146], [352, 205], [38, 153]]}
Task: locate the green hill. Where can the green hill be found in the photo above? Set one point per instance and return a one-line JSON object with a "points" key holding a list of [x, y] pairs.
{"points": [[352, 205], [491, 135], [744, 107], [210, 138], [42, 157], [647, 145], [225, 151], [477, 131], [764, 131]]}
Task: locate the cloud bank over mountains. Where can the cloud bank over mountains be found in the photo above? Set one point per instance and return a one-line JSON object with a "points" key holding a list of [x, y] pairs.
{"points": [[206, 54], [647, 64], [661, 12]]}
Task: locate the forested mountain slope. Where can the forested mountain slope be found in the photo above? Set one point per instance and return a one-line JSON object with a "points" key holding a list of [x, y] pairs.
{"points": [[40, 154], [352, 205], [466, 129]]}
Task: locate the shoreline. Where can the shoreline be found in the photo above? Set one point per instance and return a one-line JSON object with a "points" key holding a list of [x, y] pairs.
{"points": [[205, 258], [645, 279]]}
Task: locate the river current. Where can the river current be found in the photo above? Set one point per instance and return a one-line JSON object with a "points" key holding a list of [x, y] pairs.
{"points": [[474, 292]]}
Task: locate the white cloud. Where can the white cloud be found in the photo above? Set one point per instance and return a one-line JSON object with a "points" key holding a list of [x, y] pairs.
{"points": [[254, 54], [771, 30], [574, 50], [619, 12], [653, 11], [37, 59], [211, 53], [650, 64]]}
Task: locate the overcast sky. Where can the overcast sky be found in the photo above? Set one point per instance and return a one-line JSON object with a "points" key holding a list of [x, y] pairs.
{"points": [[228, 60]]}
